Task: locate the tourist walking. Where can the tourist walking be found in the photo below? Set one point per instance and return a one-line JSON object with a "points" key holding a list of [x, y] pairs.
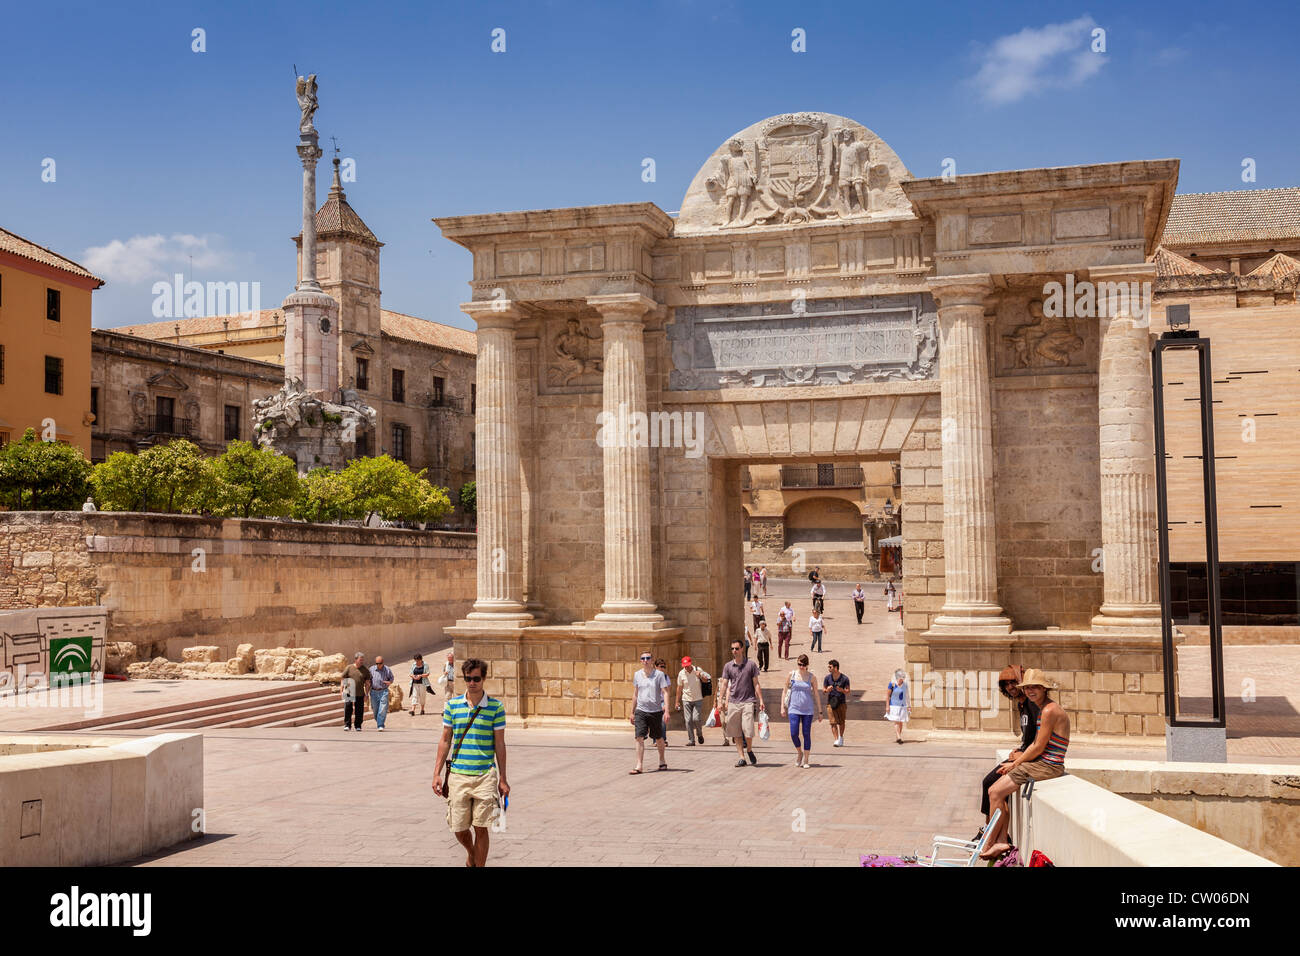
{"points": [[819, 597], [784, 631], [1044, 759], [816, 628], [756, 611], [470, 770], [380, 678], [741, 698], [891, 597], [749, 583], [859, 600], [899, 705], [662, 667], [763, 641], [837, 701], [690, 699], [448, 679], [762, 579], [355, 684], [419, 683], [802, 699], [650, 710]]}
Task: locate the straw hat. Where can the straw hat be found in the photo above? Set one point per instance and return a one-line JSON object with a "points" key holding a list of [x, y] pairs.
{"points": [[1037, 678]]}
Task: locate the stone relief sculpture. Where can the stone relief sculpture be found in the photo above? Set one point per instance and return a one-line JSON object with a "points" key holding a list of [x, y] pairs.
{"points": [[573, 351], [793, 168], [1042, 341], [307, 103]]}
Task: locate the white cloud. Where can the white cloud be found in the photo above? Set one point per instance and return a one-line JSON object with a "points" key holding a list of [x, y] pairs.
{"points": [[142, 258], [1056, 55]]}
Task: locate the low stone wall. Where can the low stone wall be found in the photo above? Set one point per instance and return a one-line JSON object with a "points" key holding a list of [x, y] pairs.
{"points": [[91, 801], [1253, 806], [174, 581], [1077, 823]]}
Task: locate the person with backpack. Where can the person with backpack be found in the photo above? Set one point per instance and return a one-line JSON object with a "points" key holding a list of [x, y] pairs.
{"points": [[802, 692], [470, 770], [691, 691]]}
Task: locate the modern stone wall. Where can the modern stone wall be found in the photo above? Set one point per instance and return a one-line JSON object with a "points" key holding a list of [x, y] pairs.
{"points": [[173, 581]]}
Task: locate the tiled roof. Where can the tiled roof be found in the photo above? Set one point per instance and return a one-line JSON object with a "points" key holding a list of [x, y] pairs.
{"points": [[27, 249], [1238, 216], [395, 324], [1278, 267], [337, 218], [1172, 264], [204, 325], [408, 327]]}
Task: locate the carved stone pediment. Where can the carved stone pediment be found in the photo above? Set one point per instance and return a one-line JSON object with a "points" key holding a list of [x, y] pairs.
{"points": [[166, 380], [362, 347], [823, 342], [795, 168]]}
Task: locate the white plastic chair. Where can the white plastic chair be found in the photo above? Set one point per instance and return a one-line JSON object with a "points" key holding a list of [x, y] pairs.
{"points": [[960, 852]]}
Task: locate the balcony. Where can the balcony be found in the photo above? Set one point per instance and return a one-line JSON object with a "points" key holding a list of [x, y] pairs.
{"points": [[453, 402], [167, 426], [821, 476]]}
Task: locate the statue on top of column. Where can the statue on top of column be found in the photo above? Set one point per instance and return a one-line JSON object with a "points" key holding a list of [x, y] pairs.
{"points": [[307, 103]]}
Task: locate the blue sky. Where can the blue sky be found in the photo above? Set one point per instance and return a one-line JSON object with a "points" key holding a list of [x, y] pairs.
{"points": [[161, 152]]}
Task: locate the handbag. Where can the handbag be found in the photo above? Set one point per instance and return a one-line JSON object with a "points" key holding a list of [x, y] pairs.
{"points": [[446, 771], [706, 686]]}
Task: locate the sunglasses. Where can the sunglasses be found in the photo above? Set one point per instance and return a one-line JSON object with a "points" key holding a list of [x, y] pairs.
{"points": [[646, 658], [474, 680]]}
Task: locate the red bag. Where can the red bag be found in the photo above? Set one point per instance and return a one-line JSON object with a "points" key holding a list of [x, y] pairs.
{"points": [[1039, 858]]}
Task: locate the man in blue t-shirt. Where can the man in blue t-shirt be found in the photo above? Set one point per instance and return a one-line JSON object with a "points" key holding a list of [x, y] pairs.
{"points": [[474, 741]]}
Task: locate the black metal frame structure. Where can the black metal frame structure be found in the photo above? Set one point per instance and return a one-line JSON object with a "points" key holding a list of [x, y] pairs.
{"points": [[1189, 340]]}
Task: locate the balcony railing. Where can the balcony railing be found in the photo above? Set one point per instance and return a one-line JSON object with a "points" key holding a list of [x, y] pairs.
{"points": [[821, 476], [168, 425]]}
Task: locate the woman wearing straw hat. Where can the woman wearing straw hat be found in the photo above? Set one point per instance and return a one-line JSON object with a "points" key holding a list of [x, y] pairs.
{"points": [[1042, 760]]}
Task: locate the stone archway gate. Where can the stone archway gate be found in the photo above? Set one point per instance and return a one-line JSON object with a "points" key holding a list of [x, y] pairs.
{"points": [[813, 300]]}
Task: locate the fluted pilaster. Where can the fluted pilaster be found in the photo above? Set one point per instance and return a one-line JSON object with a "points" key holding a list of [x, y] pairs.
{"points": [[969, 524], [496, 452], [629, 577], [1126, 416]]}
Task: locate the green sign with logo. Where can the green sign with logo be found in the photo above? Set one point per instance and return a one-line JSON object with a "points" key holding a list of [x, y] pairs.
{"points": [[70, 655]]}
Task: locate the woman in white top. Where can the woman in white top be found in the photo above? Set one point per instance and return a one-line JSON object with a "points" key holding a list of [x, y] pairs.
{"points": [[756, 609], [891, 593]]}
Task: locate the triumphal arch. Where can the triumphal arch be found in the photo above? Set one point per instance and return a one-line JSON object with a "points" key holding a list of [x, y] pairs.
{"points": [[814, 301]]}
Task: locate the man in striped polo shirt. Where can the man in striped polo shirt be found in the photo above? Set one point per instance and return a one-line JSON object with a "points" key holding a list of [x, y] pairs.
{"points": [[473, 739]]}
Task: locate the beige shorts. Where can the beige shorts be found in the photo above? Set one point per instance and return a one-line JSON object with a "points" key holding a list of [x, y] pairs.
{"points": [[740, 719], [471, 800], [1035, 770]]}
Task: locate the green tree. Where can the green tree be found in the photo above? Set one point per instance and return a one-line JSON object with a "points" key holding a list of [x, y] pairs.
{"points": [[388, 488], [323, 496], [248, 481], [172, 477], [469, 498], [120, 484], [40, 475]]}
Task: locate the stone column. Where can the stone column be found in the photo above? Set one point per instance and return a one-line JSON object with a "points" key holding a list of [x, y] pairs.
{"points": [[308, 152], [1126, 416], [969, 527], [629, 573], [496, 452]]}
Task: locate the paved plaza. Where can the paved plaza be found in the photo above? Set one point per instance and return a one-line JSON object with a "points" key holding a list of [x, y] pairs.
{"points": [[365, 799]]}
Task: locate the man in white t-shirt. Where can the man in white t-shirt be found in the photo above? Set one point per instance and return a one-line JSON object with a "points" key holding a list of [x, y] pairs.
{"points": [[651, 710], [816, 627], [819, 597], [691, 693]]}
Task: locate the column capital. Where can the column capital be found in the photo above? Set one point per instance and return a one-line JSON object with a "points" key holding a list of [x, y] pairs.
{"points": [[969, 290], [622, 306], [494, 313]]}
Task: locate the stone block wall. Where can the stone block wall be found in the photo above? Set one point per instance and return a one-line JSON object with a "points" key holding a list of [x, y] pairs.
{"points": [[921, 463], [174, 581]]}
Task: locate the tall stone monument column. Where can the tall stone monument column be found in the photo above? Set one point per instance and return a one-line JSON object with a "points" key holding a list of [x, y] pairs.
{"points": [[1126, 416], [969, 527], [311, 332], [629, 573], [497, 468]]}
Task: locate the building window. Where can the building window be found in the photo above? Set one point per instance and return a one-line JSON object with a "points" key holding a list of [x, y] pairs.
{"points": [[400, 442], [473, 399], [439, 385], [94, 403], [232, 423], [52, 304], [399, 385], [363, 374], [53, 375], [164, 414]]}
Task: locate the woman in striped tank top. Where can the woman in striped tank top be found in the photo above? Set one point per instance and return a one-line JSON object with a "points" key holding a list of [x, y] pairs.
{"points": [[1043, 760]]}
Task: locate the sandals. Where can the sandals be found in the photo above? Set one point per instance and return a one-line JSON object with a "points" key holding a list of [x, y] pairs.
{"points": [[663, 766], [633, 773]]}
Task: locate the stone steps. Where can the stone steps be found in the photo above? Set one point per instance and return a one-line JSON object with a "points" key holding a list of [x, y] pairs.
{"points": [[264, 707]]}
